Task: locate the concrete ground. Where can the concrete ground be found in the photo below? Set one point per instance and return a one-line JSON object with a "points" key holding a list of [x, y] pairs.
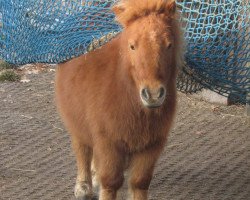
{"points": [[207, 156]]}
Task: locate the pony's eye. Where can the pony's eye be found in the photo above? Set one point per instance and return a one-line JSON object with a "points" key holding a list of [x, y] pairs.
{"points": [[169, 45], [132, 47]]}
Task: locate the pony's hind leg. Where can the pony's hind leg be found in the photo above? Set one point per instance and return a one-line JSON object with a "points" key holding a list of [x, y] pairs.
{"points": [[83, 187]]}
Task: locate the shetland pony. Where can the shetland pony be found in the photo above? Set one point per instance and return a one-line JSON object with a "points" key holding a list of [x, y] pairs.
{"points": [[118, 102]]}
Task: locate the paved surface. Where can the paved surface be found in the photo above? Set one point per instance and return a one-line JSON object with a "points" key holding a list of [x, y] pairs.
{"points": [[207, 156]]}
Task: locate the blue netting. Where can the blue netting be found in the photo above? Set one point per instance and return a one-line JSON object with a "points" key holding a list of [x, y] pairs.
{"points": [[218, 46], [52, 31]]}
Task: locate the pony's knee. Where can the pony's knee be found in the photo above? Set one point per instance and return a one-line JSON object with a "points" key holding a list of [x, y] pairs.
{"points": [[141, 183], [113, 182]]}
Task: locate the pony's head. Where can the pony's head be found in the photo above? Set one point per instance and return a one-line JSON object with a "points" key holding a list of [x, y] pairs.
{"points": [[151, 43]]}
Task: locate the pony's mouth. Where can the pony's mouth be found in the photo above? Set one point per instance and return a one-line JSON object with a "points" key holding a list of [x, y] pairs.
{"points": [[152, 105]]}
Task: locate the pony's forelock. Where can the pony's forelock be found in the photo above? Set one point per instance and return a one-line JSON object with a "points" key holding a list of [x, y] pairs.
{"points": [[128, 10]]}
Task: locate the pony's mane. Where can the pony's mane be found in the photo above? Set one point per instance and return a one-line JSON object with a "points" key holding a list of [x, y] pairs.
{"points": [[133, 9]]}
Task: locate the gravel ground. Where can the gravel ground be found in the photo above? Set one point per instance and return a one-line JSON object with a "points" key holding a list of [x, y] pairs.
{"points": [[207, 156]]}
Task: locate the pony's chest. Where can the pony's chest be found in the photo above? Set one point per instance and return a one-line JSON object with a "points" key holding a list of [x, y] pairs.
{"points": [[138, 132]]}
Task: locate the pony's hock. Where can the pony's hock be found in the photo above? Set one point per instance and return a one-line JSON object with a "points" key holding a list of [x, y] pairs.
{"points": [[216, 33]]}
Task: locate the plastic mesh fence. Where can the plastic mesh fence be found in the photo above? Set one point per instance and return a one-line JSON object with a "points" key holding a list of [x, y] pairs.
{"points": [[52, 31], [218, 46]]}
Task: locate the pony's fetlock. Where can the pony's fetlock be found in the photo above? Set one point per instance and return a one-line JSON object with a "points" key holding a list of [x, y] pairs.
{"points": [[83, 191]]}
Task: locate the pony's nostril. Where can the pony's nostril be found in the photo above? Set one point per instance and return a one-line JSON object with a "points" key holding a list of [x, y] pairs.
{"points": [[145, 94], [161, 92]]}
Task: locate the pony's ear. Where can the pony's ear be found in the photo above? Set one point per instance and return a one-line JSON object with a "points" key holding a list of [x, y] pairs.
{"points": [[171, 8], [118, 9]]}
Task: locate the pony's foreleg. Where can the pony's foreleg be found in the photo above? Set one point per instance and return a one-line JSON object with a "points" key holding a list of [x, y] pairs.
{"points": [[95, 181], [83, 187], [109, 165], [141, 171]]}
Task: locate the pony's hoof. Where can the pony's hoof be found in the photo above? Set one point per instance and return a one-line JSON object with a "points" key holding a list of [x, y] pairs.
{"points": [[83, 192]]}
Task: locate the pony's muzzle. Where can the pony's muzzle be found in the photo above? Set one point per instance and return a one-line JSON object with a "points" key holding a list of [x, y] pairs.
{"points": [[153, 97]]}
